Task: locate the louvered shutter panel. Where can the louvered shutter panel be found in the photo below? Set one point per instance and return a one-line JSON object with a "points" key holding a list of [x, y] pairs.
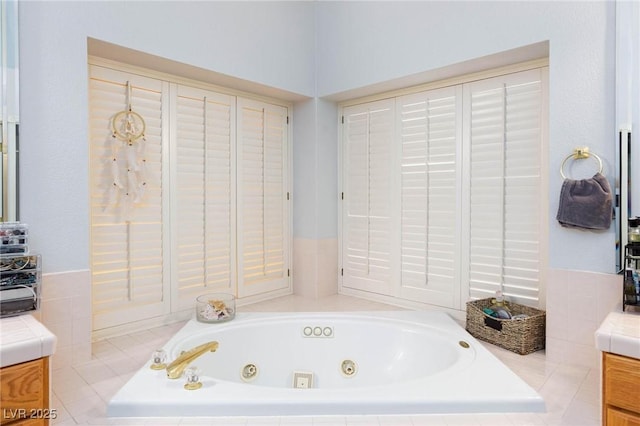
{"points": [[367, 243], [505, 131], [430, 138], [126, 256], [204, 224], [262, 196]]}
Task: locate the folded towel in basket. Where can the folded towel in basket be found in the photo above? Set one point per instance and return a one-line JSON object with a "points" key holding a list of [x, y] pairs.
{"points": [[586, 203]]}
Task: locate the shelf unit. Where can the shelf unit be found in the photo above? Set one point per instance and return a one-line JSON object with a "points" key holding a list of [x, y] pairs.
{"points": [[20, 281], [630, 293]]}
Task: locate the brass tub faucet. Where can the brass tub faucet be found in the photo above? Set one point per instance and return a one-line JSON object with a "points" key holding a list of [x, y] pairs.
{"points": [[177, 367]]}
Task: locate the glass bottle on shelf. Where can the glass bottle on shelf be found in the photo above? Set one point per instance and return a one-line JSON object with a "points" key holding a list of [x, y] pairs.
{"points": [[630, 296], [634, 230]]}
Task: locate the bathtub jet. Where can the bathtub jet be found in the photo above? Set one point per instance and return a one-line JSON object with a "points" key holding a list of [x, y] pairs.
{"points": [[375, 363]]}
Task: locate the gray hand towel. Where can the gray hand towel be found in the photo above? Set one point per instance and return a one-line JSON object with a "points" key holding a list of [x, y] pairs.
{"points": [[586, 203]]}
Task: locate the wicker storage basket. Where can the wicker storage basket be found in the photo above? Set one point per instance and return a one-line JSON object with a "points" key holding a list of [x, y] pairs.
{"points": [[522, 336]]}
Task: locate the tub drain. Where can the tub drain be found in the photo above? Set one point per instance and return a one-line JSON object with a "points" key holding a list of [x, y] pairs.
{"points": [[249, 372], [348, 368]]}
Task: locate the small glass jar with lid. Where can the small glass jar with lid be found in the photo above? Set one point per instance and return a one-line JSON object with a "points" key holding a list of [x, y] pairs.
{"points": [[634, 230], [630, 291]]}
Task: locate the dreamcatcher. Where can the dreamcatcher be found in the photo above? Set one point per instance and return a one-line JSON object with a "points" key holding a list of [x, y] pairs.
{"points": [[127, 159]]}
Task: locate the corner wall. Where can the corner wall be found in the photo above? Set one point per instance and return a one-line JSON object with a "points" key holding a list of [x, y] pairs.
{"points": [[268, 43], [317, 49], [366, 43], [315, 198]]}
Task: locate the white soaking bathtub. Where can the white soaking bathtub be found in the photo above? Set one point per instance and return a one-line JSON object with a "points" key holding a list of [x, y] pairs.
{"points": [[399, 362]]}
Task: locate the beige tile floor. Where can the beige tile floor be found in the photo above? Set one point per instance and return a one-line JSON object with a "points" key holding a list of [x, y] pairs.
{"points": [[81, 392]]}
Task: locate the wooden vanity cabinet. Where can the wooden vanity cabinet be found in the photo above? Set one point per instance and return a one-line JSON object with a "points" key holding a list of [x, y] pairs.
{"points": [[620, 390], [25, 394]]}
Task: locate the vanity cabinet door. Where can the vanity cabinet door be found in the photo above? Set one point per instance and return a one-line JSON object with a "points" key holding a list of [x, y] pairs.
{"points": [[621, 390], [621, 418], [25, 393]]}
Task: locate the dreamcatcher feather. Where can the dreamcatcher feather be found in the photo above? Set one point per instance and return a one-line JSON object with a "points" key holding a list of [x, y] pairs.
{"points": [[128, 169]]}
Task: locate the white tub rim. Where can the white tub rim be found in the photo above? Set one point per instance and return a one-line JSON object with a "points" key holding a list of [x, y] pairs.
{"points": [[235, 399]]}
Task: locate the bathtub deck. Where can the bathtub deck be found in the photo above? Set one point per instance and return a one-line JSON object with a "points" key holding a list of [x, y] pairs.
{"points": [[471, 379], [80, 392]]}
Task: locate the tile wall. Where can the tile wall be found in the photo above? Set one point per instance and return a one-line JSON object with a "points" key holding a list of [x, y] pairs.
{"points": [[65, 309], [577, 302], [315, 266]]}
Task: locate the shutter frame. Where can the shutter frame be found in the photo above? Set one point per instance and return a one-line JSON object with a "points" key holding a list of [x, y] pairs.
{"points": [[166, 250], [126, 257], [368, 211], [525, 252], [430, 136], [204, 244], [263, 212], [512, 263]]}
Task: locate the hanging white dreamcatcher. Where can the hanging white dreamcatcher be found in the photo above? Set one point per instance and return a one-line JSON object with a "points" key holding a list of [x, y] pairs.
{"points": [[127, 160]]}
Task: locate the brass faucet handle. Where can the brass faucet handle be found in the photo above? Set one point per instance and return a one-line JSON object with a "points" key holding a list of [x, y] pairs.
{"points": [[159, 358]]}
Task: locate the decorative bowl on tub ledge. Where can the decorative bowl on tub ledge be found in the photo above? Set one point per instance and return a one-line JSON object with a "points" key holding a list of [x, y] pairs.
{"points": [[215, 307]]}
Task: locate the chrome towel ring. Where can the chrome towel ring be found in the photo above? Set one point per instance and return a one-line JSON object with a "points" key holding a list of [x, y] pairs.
{"points": [[580, 154]]}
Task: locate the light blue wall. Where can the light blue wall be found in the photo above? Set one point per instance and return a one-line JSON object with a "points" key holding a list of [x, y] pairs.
{"points": [[365, 43], [270, 43], [305, 169], [315, 49], [327, 153], [315, 169]]}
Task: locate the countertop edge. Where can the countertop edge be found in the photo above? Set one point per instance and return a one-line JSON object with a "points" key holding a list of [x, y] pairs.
{"points": [[619, 334], [32, 341]]}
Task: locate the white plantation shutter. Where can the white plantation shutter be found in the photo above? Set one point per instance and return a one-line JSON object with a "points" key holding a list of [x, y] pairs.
{"points": [[126, 257], [262, 197], [204, 219], [367, 240], [448, 206], [430, 140], [215, 213], [504, 133]]}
